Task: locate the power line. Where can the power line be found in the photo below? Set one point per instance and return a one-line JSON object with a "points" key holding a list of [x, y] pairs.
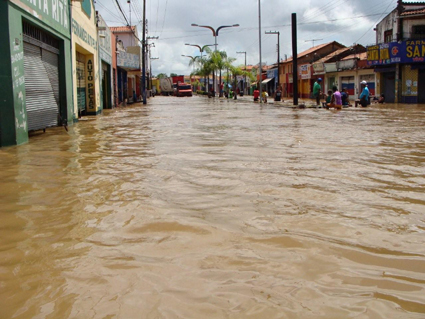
{"points": [[109, 11], [165, 14], [376, 21]]}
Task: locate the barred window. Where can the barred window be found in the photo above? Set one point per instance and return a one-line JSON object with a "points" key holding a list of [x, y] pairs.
{"points": [[40, 35]]}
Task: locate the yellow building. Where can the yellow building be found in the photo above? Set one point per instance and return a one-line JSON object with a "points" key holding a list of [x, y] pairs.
{"points": [[85, 64]]}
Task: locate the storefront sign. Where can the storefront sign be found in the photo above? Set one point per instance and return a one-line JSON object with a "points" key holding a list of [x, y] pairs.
{"points": [[272, 73], [128, 60], [80, 32], [304, 71], [91, 101], [53, 12], [319, 68], [411, 51], [290, 78]]}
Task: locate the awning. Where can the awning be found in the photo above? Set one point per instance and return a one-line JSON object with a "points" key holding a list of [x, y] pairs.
{"points": [[267, 80], [387, 69]]}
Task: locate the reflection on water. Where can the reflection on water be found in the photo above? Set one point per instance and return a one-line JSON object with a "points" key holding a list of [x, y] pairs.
{"points": [[195, 208]]}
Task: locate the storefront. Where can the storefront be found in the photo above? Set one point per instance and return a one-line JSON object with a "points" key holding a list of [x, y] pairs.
{"points": [[128, 69], [34, 88], [86, 66], [304, 81], [400, 66], [105, 58]]}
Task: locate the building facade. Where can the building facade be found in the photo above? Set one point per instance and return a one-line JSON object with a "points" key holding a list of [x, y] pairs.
{"points": [[128, 55], [35, 65], [398, 57], [106, 64], [305, 72], [85, 58]]}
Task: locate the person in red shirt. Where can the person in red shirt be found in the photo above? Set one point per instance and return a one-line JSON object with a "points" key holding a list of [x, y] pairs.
{"points": [[256, 95]]}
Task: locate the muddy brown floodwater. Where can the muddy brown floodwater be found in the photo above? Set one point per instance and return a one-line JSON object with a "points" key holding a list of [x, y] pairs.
{"points": [[195, 208]]}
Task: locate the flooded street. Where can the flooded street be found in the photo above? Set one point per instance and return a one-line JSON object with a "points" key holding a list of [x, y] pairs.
{"points": [[203, 208]]}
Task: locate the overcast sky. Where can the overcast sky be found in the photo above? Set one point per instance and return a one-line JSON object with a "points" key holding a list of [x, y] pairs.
{"points": [[324, 21]]}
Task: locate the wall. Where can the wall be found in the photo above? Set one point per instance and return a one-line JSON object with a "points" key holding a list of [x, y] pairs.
{"points": [[388, 23]]}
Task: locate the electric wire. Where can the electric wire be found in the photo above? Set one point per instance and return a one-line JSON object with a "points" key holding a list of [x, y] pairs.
{"points": [[375, 22], [113, 14], [165, 14]]}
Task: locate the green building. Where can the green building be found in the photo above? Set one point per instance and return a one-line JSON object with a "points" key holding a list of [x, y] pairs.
{"points": [[35, 63]]}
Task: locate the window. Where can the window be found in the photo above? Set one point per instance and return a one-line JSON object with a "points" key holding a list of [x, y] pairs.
{"points": [[418, 32], [388, 36]]}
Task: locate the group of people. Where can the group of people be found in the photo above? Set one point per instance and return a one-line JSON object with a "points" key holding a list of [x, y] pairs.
{"points": [[337, 100], [264, 95]]}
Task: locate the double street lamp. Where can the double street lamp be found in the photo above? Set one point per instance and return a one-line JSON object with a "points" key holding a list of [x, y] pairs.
{"points": [[215, 31], [201, 49], [215, 34]]}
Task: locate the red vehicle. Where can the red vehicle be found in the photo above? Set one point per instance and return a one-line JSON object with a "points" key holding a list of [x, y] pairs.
{"points": [[177, 79], [184, 89]]}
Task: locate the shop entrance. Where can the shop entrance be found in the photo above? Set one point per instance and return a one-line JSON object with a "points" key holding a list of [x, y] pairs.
{"points": [[389, 86], [41, 67]]}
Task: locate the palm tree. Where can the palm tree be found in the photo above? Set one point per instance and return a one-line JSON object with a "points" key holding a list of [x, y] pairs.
{"points": [[238, 70]]}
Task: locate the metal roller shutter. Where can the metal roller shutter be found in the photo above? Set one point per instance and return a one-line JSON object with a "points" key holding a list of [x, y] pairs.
{"points": [[50, 63], [42, 107]]}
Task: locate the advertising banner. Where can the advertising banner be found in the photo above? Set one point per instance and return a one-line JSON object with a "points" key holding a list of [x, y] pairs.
{"points": [[128, 60], [304, 71], [410, 51]]}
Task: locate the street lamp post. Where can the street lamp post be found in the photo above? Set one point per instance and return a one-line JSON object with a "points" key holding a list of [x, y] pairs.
{"points": [[278, 53], [244, 85], [215, 34], [144, 54], [259, 38], [201, 49]]}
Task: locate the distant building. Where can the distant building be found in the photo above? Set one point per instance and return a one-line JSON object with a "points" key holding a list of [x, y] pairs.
{"points": [[306, 76], [129, 61]]}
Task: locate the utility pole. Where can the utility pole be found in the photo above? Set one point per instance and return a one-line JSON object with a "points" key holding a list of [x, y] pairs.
{"points": [[144, 54], [148, 48], [278, 53], [295, 58], [244, 85], [313, 40]]}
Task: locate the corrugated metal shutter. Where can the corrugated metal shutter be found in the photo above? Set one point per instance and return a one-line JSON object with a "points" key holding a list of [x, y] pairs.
{"points": [[41, 105], [51, 63]]}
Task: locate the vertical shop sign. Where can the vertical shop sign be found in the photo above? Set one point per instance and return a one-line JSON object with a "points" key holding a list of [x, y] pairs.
{"points": [[90, 86]]}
